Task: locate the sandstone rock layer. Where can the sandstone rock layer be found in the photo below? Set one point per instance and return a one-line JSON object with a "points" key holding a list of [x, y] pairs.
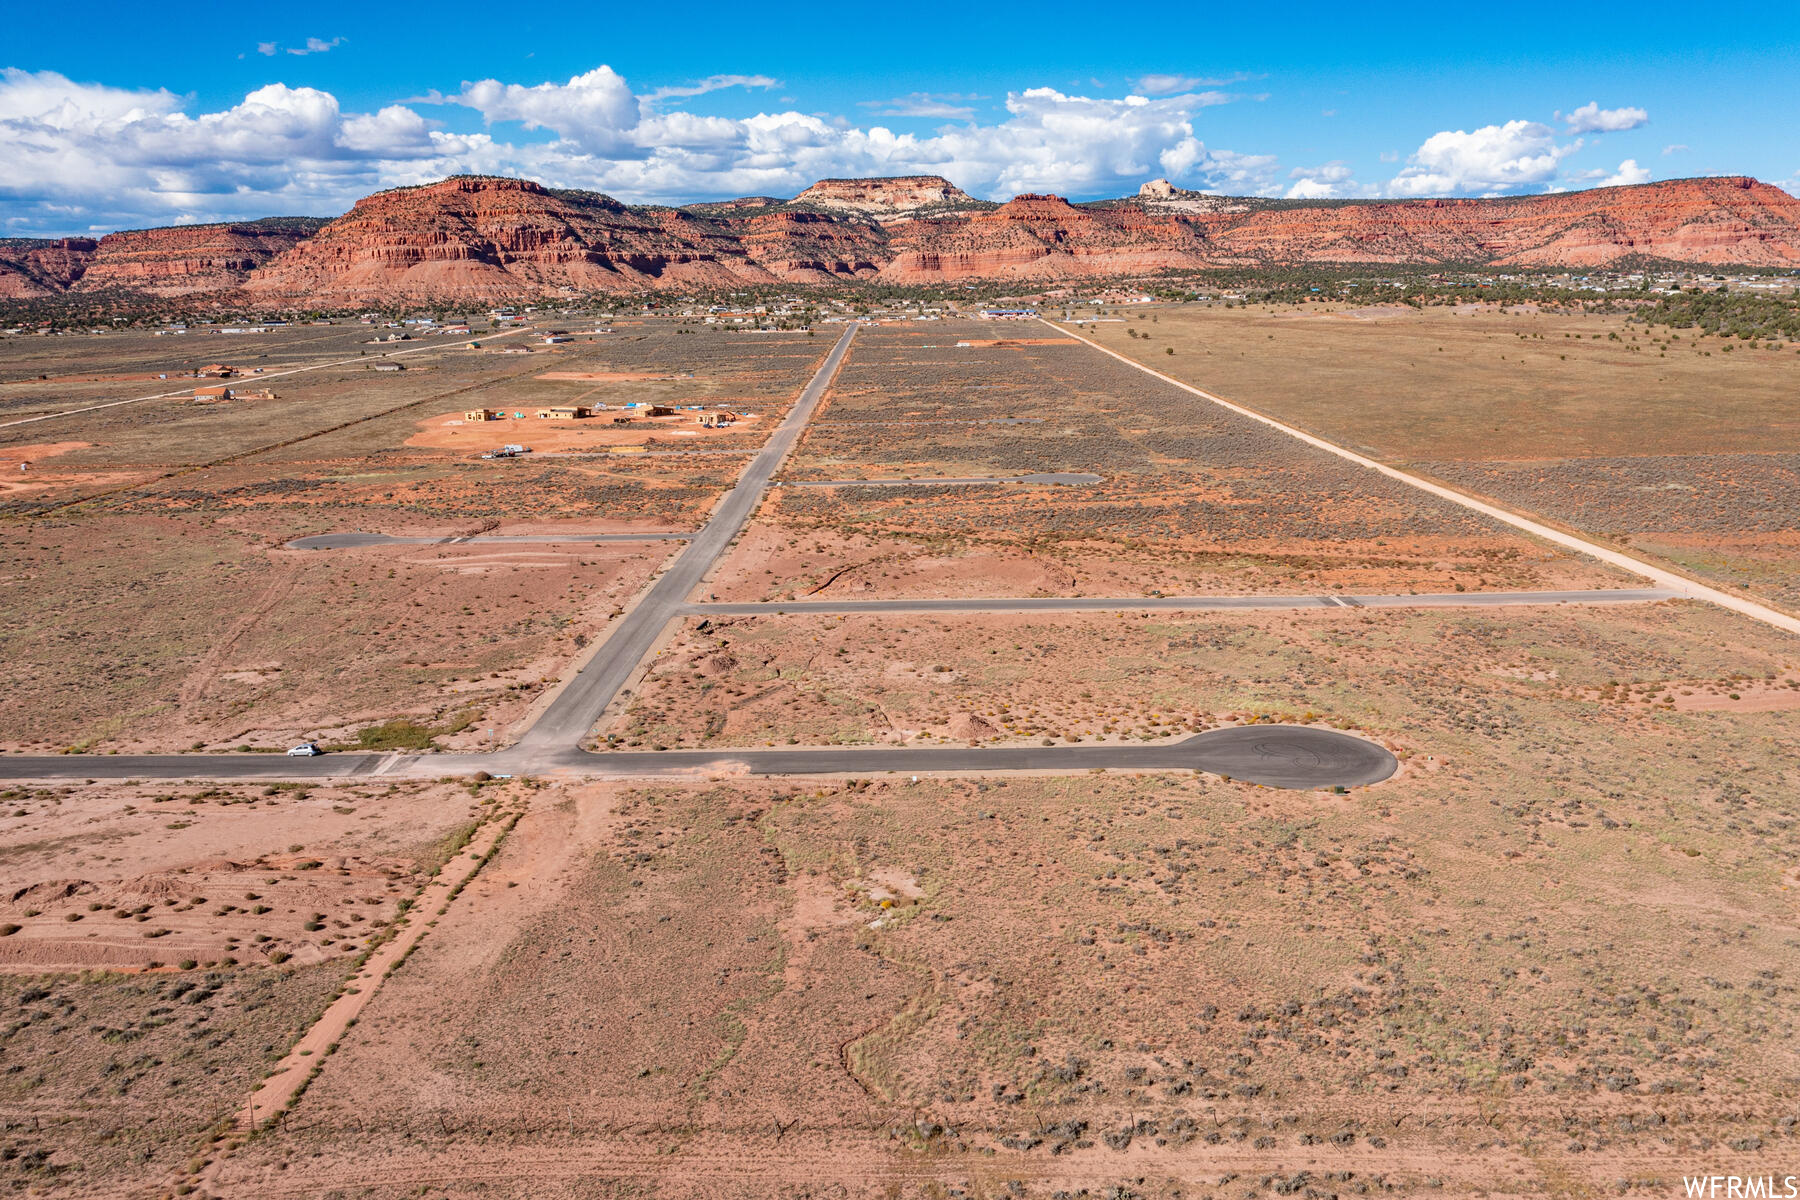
{"points": [[488, 238]]}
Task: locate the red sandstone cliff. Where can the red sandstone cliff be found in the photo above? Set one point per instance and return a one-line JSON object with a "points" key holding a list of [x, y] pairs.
{"points": [[1043, 237], [486, 238], [490, 238], [184, 259], [176, 260], [807, 247], [1724, 220], [30, 268], [501, 239]]}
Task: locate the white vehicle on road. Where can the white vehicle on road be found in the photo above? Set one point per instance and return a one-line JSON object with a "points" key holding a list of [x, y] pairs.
{"points": [[305, 750]]}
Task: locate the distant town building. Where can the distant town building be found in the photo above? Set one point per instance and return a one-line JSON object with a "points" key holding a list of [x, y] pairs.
{"points": [[220, 393]]}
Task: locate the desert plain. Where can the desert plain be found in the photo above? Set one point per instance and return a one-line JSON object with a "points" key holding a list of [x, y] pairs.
{"points": [[1549, 955]]}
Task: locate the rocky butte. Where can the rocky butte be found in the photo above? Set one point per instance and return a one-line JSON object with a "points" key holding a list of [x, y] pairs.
{"points": [[480, 237], [893, 198]]}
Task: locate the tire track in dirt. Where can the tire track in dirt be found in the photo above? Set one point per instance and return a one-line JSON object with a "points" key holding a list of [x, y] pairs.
{"points": [[193, 688], [855, 1053], [283, 1087]]}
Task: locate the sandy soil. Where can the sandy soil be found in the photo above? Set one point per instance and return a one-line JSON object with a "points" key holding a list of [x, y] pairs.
{"points": [[1550, 384], [167, 615], [124, 876], [162, 947], [601, 376], [1647, 435], [12, 456], [986, 342], [39, 478], [598, 434], [1191, 497], [290, 1076], [1551, 957]]}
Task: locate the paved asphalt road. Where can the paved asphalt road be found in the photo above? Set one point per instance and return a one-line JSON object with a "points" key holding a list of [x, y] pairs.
{"points": [[190, 766], [1185, 603], [1283, 756], [575, 709], [1062, 477], [349, 541]]}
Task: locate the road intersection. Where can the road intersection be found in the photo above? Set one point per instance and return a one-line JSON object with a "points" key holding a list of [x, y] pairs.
{"points": [[1272, 755]]}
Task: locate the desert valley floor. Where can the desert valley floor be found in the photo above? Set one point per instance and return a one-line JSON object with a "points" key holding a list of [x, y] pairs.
{"points": [[981, 766]]}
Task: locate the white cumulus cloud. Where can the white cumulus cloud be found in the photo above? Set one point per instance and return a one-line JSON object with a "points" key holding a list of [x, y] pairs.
{"points": [[83, 155], [1331, 181], [1049, 141], [80, 156], [1492, 158], [1591, 118], [596, 111], [1628, 173]]}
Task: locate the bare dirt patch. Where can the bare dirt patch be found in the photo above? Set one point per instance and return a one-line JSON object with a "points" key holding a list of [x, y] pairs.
{"points": [[140, 876], [161, 947], [598, 434]]}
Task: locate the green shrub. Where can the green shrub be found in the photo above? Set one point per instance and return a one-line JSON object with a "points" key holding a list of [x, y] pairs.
{"points": [[398, 734]]}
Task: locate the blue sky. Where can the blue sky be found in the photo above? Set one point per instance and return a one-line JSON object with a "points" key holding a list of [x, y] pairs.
{"points": [[222, 112]]}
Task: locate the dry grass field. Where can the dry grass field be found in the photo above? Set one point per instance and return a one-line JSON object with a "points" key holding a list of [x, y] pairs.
{"points": [[1191, 499], [1552, 956], [1151, 986], [1677, 446], [152, 604], [176, 633], [1412, 679]]}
